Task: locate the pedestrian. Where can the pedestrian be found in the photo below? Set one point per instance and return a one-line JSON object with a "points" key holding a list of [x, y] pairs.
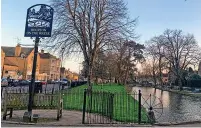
{"points": [[8, 79]]}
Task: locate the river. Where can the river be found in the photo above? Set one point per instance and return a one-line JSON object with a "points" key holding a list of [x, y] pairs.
{"points": [[176, 107]]}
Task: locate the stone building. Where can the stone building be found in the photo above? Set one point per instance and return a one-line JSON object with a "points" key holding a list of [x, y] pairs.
{"points": [[21, 57], [49, 65]]}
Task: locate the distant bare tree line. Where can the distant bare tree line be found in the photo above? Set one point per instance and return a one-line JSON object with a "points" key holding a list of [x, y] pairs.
{"points": [[175, 51]]}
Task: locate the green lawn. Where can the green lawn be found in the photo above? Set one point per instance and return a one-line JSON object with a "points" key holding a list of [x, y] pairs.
{"points": [[125, 107]]}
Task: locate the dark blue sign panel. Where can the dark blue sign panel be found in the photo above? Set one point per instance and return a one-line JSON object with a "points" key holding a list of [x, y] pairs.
{"points": [[39, 21]]}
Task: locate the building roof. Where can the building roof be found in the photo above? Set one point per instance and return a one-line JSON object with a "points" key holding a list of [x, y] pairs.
{"points": [[9, 63], [10, 51], [46, 56]]}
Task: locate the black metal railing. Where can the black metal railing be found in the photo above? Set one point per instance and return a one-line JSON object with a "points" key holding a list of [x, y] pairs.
{"points": [[102, 107], [113, 108]]}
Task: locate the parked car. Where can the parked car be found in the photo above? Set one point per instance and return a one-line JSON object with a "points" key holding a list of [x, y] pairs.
{"points": [[64, 81], [176, 87], [13, 82], [149, 84], [23, 83], [4, 82], [197, 90], [187, 88], [53, 82], [43, 82], [144, 83], [38, 87]]}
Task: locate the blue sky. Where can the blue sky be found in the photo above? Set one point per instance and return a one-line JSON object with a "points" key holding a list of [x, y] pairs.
{"points": [[157, 15], [154, 17]]}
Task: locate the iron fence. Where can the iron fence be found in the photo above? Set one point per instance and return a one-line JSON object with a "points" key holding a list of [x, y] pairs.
{"points": [[100, 107]]}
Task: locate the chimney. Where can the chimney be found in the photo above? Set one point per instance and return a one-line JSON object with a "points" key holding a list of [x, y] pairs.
{"points": [[17, 50], [42, 51]]}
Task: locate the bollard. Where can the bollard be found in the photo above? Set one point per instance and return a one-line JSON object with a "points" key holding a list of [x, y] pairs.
{"points": [[26, 117], [35, 118]]}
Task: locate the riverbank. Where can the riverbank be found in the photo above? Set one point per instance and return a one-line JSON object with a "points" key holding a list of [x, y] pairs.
{"points": [[183, 92], [187, 93], [176, 107]]}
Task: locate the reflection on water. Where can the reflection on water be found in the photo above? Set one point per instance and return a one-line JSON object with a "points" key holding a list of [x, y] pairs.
{"points": [[176, 107]]}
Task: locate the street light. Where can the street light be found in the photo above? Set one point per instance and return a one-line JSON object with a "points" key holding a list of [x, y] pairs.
{"points": [[62, 52]]}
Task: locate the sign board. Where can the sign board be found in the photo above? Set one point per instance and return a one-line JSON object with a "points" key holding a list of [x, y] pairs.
{"points": [[39, 21]]}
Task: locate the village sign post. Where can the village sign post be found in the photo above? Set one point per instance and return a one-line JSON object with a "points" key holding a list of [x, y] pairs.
{"points": [[38, 25]]}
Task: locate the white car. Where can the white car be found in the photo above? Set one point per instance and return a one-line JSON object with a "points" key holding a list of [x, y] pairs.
{"points": [[4, 82], [65, 81]]}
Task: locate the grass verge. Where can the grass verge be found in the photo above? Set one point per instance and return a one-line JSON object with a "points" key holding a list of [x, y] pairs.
{"points": [[125, 107]]}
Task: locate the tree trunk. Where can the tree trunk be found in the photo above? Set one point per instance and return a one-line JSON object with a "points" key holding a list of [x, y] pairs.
{"points": [[153, 71], [160, 70], [89, 77], [180, 83]]}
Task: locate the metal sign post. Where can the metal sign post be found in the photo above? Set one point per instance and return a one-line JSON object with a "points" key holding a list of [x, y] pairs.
{"points": [[38, 24], [31, 86]]}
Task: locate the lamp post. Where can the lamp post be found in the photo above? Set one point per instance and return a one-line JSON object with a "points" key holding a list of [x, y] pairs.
{"points": [[62, 52]]}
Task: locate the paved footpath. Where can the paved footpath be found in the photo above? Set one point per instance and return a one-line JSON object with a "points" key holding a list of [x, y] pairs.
{"points": [[49, 117], [69, 118], [23, 125]]}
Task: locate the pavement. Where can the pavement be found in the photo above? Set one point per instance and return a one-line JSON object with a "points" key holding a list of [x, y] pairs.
{"points": [[23, 125], [46, 117], [71, 118]]}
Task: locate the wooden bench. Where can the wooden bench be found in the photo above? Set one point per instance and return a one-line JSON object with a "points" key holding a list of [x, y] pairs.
{"points": [[19, 101]]}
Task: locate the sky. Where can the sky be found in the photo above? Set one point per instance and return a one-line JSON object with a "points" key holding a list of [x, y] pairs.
{"points": [[154, 17]]}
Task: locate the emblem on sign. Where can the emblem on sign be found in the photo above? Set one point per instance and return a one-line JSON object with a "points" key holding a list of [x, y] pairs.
{"points": [[39, 21]]}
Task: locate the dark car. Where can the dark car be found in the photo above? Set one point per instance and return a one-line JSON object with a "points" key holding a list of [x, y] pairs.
{"points": [[38, 87], [149, 84], [23, 83], [64, 82], [144, 83], [13, 82]]}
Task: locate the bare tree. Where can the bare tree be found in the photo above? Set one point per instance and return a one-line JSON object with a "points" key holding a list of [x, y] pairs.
{"points": [[85, 26], [128, 53], [179, 51], [155, 50], [147, 70]]}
